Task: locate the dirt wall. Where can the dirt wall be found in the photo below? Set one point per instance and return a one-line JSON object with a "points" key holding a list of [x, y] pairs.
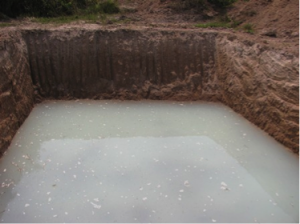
{"points": [[122, 63], [16, 91], [260, 83]]}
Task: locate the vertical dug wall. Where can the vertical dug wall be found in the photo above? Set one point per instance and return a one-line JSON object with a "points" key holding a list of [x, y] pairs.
{"points": [[16, 90], [260, 83], [122, 63]]}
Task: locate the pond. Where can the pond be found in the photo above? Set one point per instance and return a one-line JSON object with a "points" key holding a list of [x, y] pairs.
{"points": [[145, 161]]}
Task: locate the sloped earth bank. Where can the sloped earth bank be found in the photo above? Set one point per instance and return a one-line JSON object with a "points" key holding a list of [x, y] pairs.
{"points": [[16, 89], [145, 63]]}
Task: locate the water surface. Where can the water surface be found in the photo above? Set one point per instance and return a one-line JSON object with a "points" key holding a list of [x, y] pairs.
{"points": [[147, 161]]}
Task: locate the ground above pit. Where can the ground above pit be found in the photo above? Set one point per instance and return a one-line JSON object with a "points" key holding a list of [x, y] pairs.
{"points": [[274, 22]]}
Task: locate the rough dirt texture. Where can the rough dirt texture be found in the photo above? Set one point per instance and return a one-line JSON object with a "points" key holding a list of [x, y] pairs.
{"points": [[16, 90], [122, 64], [258, 82], [262, 85], [276, 22], [280, 17]]}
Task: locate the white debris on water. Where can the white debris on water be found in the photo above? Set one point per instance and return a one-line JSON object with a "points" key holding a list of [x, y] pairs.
{"points": [[186, 183], [96, 205], [147, 162]]}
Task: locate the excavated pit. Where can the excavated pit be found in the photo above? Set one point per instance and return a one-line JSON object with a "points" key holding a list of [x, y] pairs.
{"points": [[69, 63]]}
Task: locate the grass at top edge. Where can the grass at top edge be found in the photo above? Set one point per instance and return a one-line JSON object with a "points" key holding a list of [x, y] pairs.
{"points": [[67, 19], [6, 24], [213, 25], [248, 28]]}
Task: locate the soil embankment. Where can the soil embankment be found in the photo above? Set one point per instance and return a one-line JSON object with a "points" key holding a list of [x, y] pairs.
{"points": [[261, 84], [16, 90]]}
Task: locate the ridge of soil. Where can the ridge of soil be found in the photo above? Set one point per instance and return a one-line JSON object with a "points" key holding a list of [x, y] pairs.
{"points": [[275, 22]]}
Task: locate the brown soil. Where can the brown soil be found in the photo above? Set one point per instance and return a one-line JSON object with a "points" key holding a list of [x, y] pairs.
{"points": [[276, 22]]}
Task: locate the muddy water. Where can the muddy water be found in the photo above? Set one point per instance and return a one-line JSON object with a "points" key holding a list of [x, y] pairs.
{"points": [[113, 161]]}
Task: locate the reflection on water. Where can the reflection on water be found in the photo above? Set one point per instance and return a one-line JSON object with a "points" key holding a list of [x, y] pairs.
{"points": [[111, 161]]}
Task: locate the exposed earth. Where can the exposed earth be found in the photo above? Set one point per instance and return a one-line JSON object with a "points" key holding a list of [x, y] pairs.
{"points": [[275, 22]]}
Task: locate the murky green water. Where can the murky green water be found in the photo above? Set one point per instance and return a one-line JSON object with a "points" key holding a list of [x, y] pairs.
{"points": [[148, 161]]}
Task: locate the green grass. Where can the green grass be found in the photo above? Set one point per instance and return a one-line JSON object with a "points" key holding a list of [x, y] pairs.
{"points": [[214, 24], [90, 18], [223, 21], [226, 23], [5, 24], [235, 23], [248, 28], [67, 19], [96, 12], [56, 8]]}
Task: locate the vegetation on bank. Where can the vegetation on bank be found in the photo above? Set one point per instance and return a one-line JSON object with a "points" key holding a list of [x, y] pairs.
{"points": [[65, 11], [217, 3], [214, 24], [56, 8], [200, 5], [248, 28], [220, 21], [5, 24]]}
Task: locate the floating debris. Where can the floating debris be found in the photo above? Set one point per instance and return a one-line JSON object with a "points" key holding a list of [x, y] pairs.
{"points": [[95, 205], [186, 183], [224, 186]]}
